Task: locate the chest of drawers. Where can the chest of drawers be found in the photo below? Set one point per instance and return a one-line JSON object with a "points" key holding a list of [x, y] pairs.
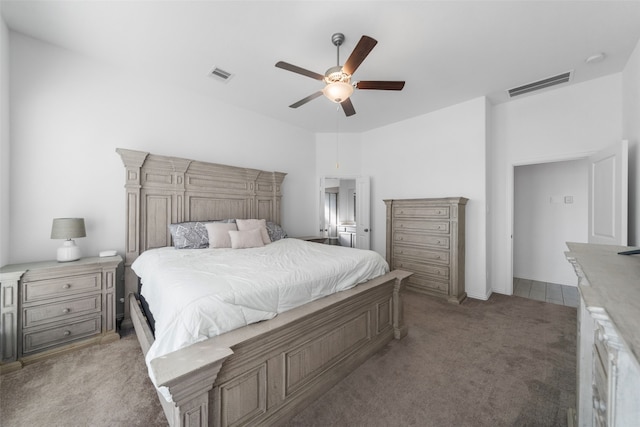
{"points": [[426, 237], [52, 307], [608, 367]]}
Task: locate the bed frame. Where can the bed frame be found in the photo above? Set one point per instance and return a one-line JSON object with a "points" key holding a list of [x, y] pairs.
{"points": [[266, 372]]}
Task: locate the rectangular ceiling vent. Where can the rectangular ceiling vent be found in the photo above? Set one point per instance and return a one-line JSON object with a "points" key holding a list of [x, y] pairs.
{"points": [[540, 84], [221, 74]]}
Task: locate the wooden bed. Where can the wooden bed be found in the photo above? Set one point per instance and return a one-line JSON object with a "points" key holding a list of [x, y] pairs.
{"points": [[266, 372]]}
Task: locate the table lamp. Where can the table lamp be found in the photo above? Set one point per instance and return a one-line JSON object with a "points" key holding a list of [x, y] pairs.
{"points": [[68, 229]]}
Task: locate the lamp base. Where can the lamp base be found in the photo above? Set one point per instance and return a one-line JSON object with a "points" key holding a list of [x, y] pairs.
{"points": [[68, 251]]}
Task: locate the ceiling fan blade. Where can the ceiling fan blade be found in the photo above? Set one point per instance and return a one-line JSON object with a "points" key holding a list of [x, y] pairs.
{"points": [[296, 69], [380, 85], [362, 49], [307, 99], [347, 106]]}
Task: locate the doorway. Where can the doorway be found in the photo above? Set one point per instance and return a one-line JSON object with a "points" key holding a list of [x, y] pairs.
{"points": [[550, 208], [606, 209], [345, 211]]}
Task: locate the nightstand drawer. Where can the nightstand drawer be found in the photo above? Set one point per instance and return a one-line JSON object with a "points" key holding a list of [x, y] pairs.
{"points": [[34, 316], [59, 287], [44, 338]]}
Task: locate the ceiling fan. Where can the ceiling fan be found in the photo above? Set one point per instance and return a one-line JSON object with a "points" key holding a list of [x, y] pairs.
{"points": [[338, 86]]}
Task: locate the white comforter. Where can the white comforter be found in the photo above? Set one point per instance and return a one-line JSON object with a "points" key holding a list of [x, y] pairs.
{"points": [[195, 294]]}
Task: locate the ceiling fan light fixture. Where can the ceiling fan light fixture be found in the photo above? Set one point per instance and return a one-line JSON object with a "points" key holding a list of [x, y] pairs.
{"points": [[338, 91]]}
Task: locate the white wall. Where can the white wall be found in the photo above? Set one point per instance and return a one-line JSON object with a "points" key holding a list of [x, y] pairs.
{"points": [[440, 154], [631, 132], [337, 156], [562, 124], [4, 143], [69, 114], [543, 221]]}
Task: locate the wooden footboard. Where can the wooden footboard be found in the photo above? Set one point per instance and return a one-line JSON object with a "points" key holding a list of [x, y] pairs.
{"points": [[267, 372]]}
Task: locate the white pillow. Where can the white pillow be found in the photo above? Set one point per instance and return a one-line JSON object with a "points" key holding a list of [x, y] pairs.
{"points": [[219, 234], [252, 224], [246, 239]]}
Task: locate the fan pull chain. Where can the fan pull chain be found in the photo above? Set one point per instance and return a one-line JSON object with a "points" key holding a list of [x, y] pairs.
{"points": [[337, 136]]}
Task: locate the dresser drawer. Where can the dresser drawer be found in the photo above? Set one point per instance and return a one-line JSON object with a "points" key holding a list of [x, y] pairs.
{"points": [[439, 271], [421, 225], [421, 239], [58, 287], [421, 254], [421, 211], [43, 338], [46, 313], [423, 283]]}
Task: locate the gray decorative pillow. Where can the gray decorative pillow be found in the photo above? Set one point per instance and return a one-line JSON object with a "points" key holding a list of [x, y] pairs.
{"points": [[192, 234], [275, 231], [189, 235]]}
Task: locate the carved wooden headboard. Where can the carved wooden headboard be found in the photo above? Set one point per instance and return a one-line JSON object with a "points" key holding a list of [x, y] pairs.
{"points": [[163, 190]]}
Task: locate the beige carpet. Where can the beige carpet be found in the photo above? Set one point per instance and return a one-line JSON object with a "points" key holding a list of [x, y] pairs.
{"points": [[508, 361]]}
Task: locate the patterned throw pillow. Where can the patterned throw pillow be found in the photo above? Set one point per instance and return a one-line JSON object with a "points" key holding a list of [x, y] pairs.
{"points": [[189, 235], [192, 234], [275, 231]]}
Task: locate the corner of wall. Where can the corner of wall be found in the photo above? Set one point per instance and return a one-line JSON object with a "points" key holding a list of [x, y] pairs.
{"points": [[631, 132], [4, 143]]}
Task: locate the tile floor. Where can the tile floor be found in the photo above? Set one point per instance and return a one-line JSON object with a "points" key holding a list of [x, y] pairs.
{"points": [[549, 292]]}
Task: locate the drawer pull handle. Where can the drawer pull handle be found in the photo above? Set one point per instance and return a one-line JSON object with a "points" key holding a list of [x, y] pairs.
{"points": [[66, 310], [67, 333], [66, 286]]}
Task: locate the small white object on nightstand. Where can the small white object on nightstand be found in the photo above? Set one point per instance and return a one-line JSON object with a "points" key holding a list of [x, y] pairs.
{"points": [[108, 253]]}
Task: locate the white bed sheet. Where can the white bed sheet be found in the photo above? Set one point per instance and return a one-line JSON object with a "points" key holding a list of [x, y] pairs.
{"points": [[195, 294]]}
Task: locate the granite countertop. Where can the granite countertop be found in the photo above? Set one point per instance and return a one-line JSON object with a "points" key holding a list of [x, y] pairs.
{"points": [[611, 282]]}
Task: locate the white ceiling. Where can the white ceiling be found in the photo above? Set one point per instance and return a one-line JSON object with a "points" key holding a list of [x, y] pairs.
{"points": [[446, 51]]}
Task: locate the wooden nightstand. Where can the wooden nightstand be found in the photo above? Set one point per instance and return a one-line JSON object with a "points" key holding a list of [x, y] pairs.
{"points": [[317, 239], [54, 307]]}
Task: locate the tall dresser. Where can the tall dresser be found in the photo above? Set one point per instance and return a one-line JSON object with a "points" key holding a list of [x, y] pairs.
{"points": [[426, 237]]}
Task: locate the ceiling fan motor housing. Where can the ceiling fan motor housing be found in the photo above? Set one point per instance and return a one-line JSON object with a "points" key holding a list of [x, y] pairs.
{"points": [[335, 74]]}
